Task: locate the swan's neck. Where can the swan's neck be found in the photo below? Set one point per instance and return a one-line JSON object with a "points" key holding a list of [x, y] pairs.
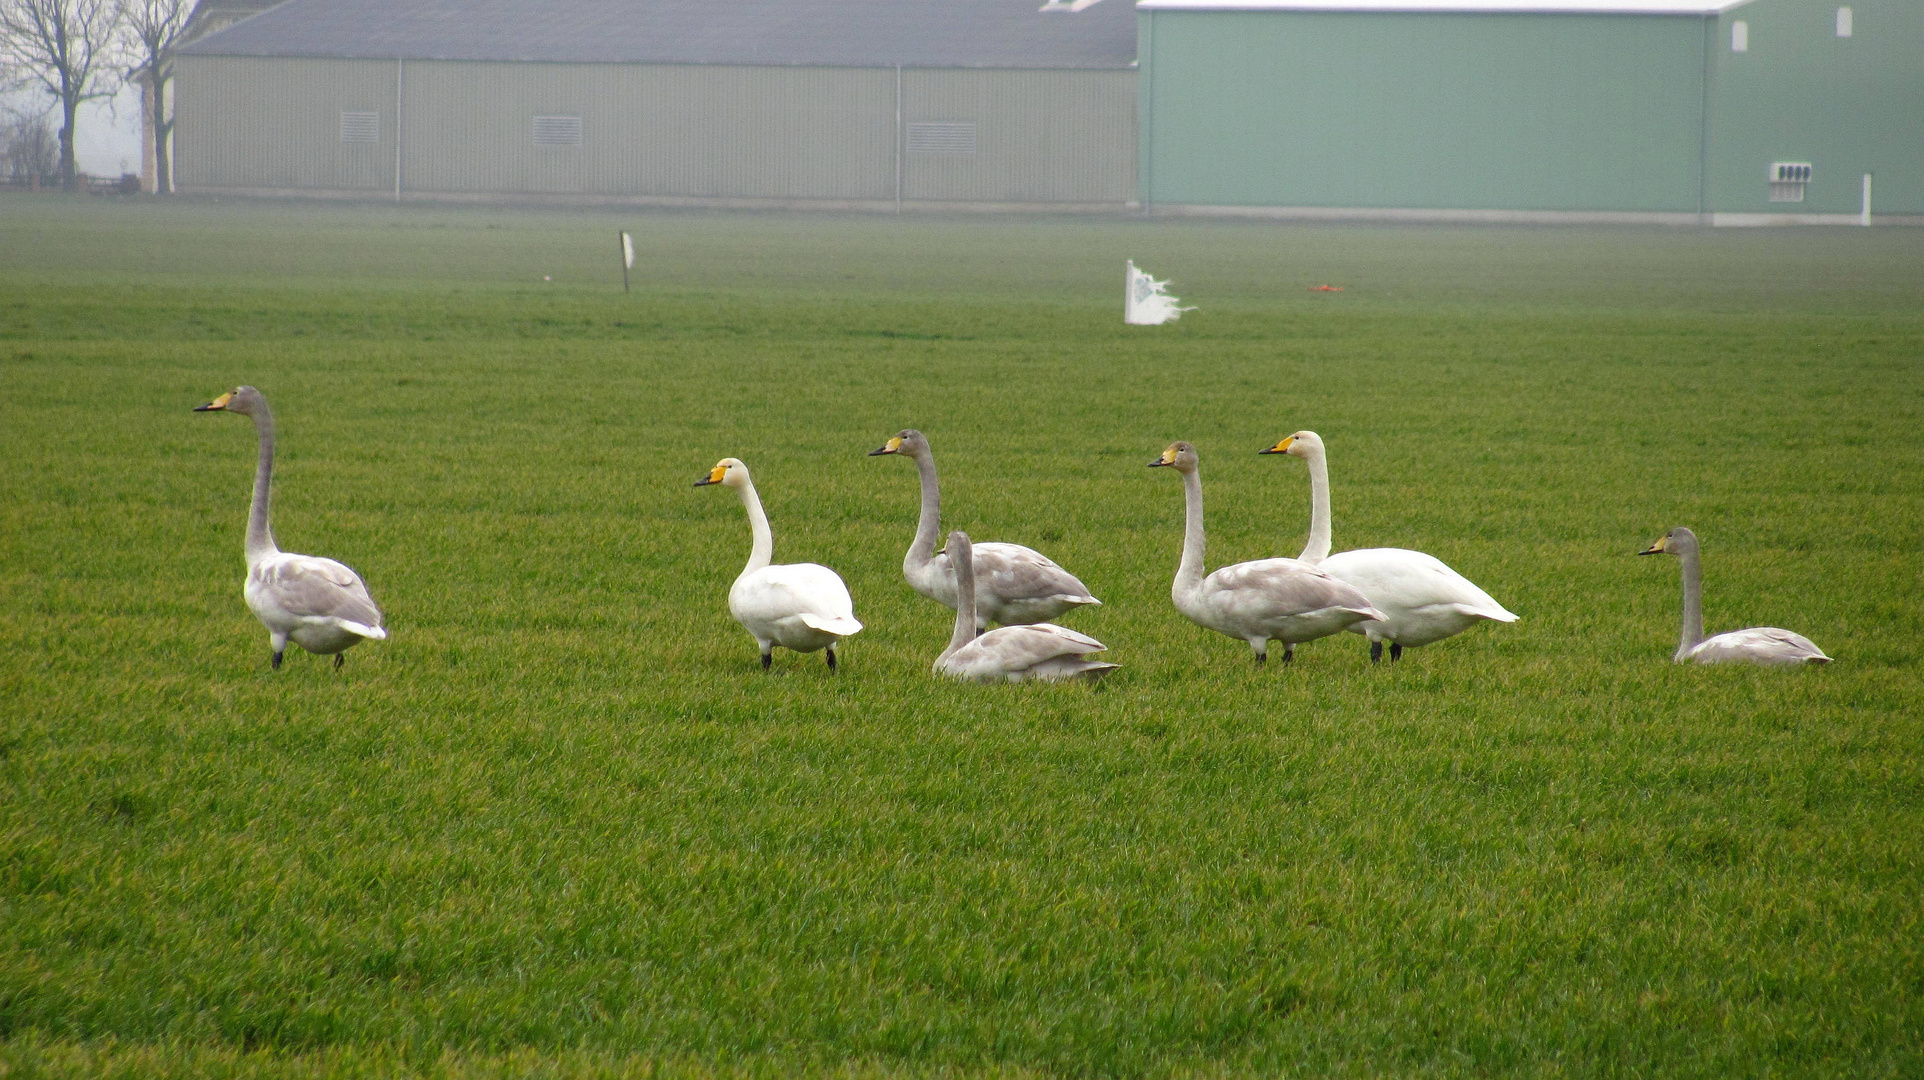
{"points": [[930, 522], [764, 549], [964, 605], [1189, 574], [1693, 604], [1318, 547], [260, 537]]}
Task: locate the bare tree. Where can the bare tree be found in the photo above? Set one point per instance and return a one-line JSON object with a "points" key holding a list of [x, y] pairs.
{"points": [[154, 28], [28, 150], [66, 47]]}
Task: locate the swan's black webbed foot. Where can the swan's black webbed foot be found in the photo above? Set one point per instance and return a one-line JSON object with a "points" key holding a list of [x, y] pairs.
{"points": [[1396, 651], [277, 661], [767, 659], [1262, 658], [339, 659], [1376, 652], [831, 659], [1289, 654]]}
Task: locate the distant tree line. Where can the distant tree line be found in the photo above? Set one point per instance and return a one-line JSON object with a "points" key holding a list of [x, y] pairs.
{"points": [[76, 51]]}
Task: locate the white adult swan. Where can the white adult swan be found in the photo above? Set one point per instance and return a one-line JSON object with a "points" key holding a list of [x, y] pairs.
{"points": [[799, 606], [1014, 584], [1422, 599], [1011, 653], [1765, 645], [316, 603], [1282, 599]]}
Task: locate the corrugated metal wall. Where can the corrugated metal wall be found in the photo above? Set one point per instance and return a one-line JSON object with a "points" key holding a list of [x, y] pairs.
{"points": [[698, 131]]}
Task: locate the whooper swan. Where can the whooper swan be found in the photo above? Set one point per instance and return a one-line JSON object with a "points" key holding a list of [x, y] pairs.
{"points": [[1764, 645], [1014, 584], [1010, 653], [1281, 599], [799, 606], [1422, 599], [316, 603]]}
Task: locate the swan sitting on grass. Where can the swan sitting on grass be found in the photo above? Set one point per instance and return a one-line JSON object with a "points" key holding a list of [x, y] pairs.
{"points": [[1020, 653], [799, 606], [1764, 645]]}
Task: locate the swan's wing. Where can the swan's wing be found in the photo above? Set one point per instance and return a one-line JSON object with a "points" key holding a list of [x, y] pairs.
{"points": [[1270, 588], [1759, 645], [808, 591], [1014, 572], [311, 588], [1012, 650], [1412, 580]]}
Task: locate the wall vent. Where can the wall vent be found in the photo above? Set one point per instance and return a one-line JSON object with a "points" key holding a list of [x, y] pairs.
{"points": [[360, 127], [557, 131], [1788, 180], [1740, 36], [1843, 22], [943, 137]]}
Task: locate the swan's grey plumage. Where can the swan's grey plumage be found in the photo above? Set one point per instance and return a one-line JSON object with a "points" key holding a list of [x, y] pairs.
{"points": [[799, 606], [1018, 653], [1765, 645], [1284, 600], [319, 604], [1421, 598], [1014, 584]]}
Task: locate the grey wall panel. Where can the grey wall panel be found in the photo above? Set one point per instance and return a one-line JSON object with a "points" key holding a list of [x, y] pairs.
{"points": [[273, 122], [804, 133], [1041, 136]]}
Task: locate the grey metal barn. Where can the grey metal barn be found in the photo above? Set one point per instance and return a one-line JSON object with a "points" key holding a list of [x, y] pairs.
{"points": [[852, 103]]}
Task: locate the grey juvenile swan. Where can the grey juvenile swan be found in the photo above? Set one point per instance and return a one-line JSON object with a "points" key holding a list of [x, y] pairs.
{"points": [[1766, 645], [1020, 653], [1284, 600], [1014, 584], [316, 603]]}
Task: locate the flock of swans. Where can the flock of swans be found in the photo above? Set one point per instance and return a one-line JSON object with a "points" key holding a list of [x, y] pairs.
{"points": [[1394, 595]]}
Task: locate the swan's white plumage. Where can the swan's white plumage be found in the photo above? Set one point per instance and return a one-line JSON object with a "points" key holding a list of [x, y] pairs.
{"points": [[1021, 653], [1421, 598], [1767, 646], [799, 606]]}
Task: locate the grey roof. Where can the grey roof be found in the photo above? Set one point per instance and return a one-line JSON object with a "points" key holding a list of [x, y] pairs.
{"points": [[825, 33]]}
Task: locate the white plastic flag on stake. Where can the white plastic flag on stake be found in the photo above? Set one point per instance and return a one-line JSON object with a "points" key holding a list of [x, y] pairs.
{"points": [[627, 257], [1144, 303]]}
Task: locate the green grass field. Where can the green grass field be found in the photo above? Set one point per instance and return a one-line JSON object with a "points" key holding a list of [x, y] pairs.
{"points": [[561, 824]]}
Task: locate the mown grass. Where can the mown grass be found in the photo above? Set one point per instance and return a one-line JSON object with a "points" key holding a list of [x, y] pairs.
{"points": [[560, 824]]}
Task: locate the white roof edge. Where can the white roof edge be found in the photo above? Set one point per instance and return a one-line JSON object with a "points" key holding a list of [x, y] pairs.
{"points": [[1541, 7]]}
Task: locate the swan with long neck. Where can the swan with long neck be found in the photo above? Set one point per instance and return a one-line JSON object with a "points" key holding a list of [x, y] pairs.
{"points": [[799, 606], [1769, 646], [1284, 600], [1038, 651], [1421, 598], [319, 604], [1014, 584]]}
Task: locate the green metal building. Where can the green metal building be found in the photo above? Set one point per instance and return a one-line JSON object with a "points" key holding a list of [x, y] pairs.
{"points": [[1728, 112]]}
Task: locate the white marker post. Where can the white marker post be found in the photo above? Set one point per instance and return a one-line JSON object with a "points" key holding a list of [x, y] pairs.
{"points": [[1866, 219], [1144, 301], [627, 257]]}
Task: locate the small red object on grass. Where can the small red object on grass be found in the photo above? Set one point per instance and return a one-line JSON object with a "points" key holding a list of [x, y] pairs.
{"points": [[1327, 288]]}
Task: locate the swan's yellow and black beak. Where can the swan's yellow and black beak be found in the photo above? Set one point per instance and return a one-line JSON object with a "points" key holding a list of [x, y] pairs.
{"points": [[1167, 457], [1279, 448], [216, 405], [714, 476], [1657, 548], [893, 446]]}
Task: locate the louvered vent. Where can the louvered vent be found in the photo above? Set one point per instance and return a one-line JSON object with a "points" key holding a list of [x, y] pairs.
{"points": [[1788, 179], [360, 127], [557, 131], [950, 137]]}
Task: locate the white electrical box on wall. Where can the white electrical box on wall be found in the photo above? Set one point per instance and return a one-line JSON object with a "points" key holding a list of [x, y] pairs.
{"points": [[1788, 180]]}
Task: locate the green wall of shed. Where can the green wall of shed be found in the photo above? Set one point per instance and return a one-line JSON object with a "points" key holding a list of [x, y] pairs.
{"points": [[1849, 106], [1471, 111]]}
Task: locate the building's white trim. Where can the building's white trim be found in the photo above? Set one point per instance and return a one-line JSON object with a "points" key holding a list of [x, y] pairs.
{"points": [[1537, 7], [716, 202], [1517, 217], [1857, 220]]}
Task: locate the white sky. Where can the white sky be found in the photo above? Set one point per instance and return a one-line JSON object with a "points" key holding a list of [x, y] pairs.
{"points": [[109, 131]]}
